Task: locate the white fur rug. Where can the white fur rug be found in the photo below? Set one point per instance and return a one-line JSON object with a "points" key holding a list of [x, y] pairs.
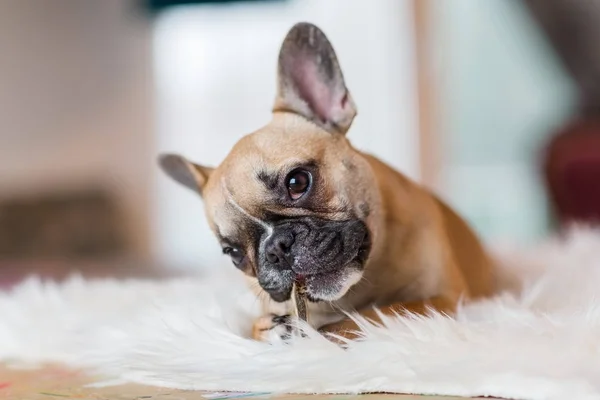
{"points": [[540, 340]]}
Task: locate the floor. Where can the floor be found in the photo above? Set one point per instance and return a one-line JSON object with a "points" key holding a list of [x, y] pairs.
{"points": [[54, 382]]}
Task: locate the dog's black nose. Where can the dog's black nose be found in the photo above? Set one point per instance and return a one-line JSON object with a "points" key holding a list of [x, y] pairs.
{"points": [[277, 248]]}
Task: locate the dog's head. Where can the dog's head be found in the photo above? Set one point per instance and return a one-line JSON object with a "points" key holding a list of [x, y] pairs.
{"points": [[294, 200]]}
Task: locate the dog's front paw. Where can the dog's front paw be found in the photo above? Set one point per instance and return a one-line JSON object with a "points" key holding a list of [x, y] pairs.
{"points": [[272, 327]]}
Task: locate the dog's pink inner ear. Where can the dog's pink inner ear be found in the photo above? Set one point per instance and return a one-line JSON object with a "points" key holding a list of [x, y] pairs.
{"points": [[327, 100], [311, 82]]}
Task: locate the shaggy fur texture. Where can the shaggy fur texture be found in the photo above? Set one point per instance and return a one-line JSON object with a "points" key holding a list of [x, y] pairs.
{"points": [[539, 339]]}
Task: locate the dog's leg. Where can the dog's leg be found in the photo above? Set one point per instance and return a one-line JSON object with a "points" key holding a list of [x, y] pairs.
{"points": [[348, 329], [271, 326]]}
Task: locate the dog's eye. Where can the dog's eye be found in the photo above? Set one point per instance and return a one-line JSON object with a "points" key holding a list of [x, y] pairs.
{"points": [[297, 183], [237, 255]]}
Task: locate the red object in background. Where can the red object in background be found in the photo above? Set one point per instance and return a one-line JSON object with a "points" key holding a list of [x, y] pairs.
{"points": [[572, 172]]}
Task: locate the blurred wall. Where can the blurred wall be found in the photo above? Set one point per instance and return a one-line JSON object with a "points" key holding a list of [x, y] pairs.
{"points": [[502, 93], [215, 75], [75, 100], [91, 91]]}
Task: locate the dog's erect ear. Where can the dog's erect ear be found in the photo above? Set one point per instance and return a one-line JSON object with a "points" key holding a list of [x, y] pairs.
{"points": [[190, 175], [310, 81]]}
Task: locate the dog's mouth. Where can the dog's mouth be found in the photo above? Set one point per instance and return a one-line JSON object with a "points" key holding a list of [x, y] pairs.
{"points": [[364, 250], [332, 285]]}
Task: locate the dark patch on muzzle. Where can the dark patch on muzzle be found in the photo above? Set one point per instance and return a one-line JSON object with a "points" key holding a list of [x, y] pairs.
{"points": [[309, 246]]}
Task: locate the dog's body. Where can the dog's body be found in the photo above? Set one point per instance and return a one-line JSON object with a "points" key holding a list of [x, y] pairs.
{"points": [[295, 201]]}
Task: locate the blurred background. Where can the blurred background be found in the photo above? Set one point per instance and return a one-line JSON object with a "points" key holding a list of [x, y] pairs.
{"points": [[492, 104]]}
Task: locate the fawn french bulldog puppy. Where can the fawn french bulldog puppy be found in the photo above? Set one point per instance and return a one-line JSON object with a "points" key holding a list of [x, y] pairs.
{"points": [[295, 201]]}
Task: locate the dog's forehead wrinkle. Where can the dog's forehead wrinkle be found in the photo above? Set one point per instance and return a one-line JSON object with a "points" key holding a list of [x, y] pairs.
{"points": [[268, 178], [231, 200]]}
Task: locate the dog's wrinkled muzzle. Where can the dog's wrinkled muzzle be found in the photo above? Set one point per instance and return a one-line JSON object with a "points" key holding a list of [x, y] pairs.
{"points": [[310, 248]]}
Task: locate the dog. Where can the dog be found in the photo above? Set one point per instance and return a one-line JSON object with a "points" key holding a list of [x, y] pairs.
{"points": [[295, 201]]}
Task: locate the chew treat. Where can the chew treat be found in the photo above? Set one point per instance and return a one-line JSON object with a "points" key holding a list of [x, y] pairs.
{"points": [[299, 296]]}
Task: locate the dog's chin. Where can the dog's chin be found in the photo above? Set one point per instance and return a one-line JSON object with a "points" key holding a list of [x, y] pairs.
{"points": [[332, 285]]}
